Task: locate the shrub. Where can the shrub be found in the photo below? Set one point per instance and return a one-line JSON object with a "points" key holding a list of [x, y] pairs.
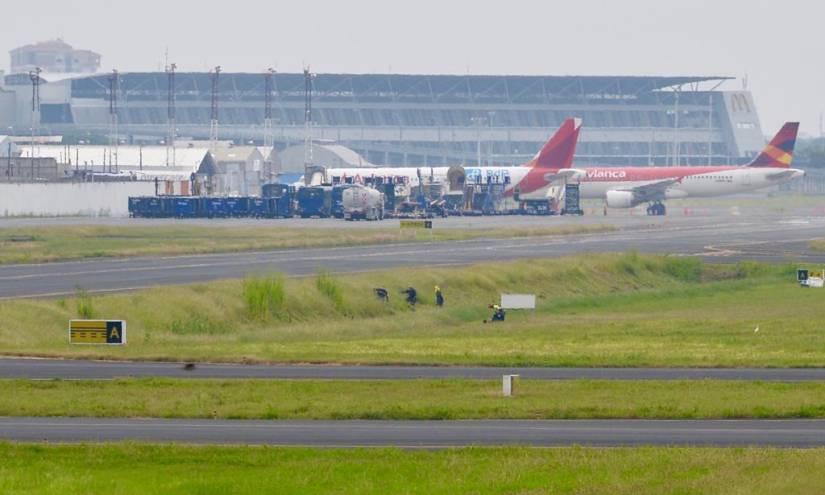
{"points": [[264, 296], [684, 269], [630, 263]]}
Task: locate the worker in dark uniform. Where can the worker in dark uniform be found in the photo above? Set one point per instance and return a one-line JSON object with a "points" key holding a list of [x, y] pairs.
{"points": [[382, 294], [498, 312], [439, 297], [412, 295]]}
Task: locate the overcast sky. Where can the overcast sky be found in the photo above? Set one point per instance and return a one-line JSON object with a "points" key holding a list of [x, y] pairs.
{"points": [[778, 44]]}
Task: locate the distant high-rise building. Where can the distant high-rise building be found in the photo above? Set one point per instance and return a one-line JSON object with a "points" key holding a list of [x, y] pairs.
{"points": [[53, 56]]}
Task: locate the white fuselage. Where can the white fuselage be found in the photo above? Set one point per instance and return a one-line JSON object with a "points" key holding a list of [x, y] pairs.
{"points": [[595, 182]]}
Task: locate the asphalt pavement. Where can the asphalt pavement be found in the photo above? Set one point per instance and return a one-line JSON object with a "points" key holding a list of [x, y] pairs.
{"points": [[68, 369], [422, 434], [717, 239]]}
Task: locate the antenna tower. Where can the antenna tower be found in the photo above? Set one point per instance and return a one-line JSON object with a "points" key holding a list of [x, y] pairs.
{"points": [[308, 77], [268, 86], [171, 114], [114, 139], [34, 76], [213, 123]]}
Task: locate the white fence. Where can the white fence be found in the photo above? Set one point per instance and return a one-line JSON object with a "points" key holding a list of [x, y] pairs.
{"points": [[91, 199]]}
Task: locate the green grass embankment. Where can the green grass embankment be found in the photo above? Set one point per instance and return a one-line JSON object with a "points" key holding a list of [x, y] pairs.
{"points": [[166, 469], [593, 310]]}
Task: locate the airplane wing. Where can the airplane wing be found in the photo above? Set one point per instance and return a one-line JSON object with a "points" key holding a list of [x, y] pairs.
{"points": [[654, 191]]}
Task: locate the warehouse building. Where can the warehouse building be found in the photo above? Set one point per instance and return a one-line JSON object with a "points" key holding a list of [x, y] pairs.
{"points": [[423, 119]]}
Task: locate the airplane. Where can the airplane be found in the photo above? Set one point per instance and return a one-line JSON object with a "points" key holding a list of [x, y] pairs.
{"points": [[619, 187], [627, 187]]}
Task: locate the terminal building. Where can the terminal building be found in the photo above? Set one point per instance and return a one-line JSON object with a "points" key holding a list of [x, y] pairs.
{"points": [[395, 119]]}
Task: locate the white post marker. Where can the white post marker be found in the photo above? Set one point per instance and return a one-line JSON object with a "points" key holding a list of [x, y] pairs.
{"points": [[507, 382]]}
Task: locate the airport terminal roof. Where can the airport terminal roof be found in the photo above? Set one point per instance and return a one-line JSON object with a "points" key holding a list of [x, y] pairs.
{"points": [[366, 88]]}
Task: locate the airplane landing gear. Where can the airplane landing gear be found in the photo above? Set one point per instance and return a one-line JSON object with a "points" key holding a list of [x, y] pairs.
{"points": [[656, 209]]}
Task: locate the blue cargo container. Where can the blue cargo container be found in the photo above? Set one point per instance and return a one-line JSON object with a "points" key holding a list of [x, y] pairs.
{"points": [[183, 206], [146, 207], [226, 207], [314, 201], [261, 207], [237, 207], [213, 207]]}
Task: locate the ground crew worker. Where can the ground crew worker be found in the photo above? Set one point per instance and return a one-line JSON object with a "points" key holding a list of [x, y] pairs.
{"points": [[382, 294], [412, 295], [498, 312], [439, 297]]}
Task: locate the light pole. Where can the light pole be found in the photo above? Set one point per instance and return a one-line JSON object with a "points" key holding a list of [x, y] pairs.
{"points": [[490, 116], [478, 122]]}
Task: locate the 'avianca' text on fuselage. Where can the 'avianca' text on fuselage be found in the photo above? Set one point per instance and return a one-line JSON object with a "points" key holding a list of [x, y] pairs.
{"points": [[605, 174]]}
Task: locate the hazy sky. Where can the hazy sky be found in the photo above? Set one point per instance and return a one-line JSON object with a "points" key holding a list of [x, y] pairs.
{"points": [[778, 44]]}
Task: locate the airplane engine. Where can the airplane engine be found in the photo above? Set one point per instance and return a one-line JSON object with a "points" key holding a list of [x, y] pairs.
{"points": [[621, 199]]}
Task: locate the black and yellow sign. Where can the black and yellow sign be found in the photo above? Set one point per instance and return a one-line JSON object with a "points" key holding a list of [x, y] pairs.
{"points": [[97, 332], [416, 224]]}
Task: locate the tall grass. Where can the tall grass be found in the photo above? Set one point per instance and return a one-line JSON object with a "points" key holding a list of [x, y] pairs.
{"points": [[329, 287], [264, 296], [85, 308]]}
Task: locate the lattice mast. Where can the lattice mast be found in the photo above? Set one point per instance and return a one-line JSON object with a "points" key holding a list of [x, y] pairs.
{"points": [[268, 88], [114, 138], [171, 115], [213, 122], [34, 76]]}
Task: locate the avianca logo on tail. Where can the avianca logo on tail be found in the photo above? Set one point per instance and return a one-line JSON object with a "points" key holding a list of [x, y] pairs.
{"points": [[778, 155], [779, 152], [606, 174]]}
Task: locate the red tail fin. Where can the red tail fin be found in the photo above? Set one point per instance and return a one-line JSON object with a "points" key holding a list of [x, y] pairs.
{"points": [[779, 152], [558, 152]]}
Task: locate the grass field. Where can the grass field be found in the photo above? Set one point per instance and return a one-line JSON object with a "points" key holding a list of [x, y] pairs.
{"points": [[163, 469], [595, 310], [411, 399], [818, 245], [53, 243]]}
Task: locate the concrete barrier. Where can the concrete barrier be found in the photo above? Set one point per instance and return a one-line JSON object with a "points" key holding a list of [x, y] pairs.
{"points": [[92, 199]]}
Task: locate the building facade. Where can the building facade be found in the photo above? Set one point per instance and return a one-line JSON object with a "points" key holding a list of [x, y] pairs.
{"points": [[424, 119]]}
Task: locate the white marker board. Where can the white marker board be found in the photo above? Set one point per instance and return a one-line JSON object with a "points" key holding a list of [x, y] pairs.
{"points": [[518, 301]]}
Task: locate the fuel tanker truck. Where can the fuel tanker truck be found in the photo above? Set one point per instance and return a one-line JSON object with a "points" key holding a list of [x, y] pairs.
{"points": [[363, 202]]}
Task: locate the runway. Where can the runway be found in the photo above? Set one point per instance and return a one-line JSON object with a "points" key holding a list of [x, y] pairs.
{"points": [[718, 239], [422, 434], [45, 369]]}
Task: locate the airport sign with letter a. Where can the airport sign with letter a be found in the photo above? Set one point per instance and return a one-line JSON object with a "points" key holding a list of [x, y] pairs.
{"points": [[112, 332]]}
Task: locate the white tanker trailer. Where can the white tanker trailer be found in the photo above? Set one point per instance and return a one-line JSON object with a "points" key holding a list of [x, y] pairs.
{"points": [[363, 202]]}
